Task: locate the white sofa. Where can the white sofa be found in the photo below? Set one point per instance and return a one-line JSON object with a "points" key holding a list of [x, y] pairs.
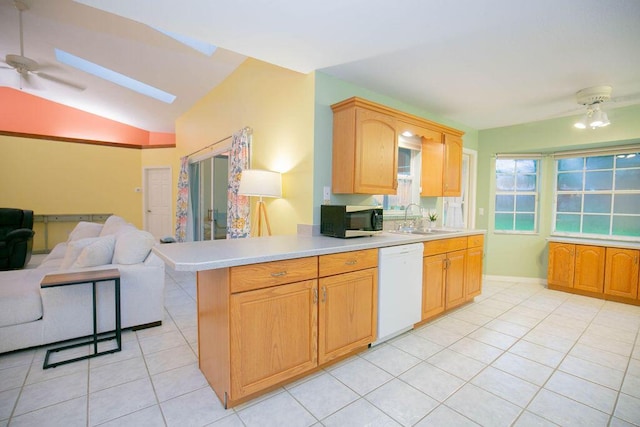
{"points": [[31, 316]]}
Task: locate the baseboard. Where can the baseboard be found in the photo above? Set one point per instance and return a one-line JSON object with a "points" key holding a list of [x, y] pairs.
{"points": [[531, 280]]}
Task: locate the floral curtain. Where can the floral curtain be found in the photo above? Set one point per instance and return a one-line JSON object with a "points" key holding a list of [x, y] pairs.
{"points": [[182, 205], [238, 224]]}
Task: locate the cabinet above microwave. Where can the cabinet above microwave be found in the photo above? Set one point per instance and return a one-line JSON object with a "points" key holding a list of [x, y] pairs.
{"points": [[365, 146]]}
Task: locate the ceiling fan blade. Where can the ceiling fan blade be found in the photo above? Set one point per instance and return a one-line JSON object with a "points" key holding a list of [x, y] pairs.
{"points": [[61, 81], [626, 98]]}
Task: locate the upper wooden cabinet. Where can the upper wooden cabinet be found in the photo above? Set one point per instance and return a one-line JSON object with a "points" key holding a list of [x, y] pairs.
{"points": [[365, 152], [452, 173], [365, 149]]}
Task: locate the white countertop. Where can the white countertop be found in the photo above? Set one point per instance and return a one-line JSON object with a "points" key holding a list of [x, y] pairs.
{"points": [[209, 255], [625, 244]]}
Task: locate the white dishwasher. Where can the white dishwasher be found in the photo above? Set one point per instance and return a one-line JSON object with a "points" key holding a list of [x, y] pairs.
{"points": [[399, 289]]}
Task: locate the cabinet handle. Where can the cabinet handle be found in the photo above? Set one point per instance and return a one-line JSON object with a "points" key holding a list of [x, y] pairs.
{"points": [[351, 262], [324, 293], [315, 296], [279, 274]]}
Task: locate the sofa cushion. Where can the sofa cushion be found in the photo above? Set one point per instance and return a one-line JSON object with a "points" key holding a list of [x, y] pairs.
{"points": [[57, 252], [85, 229], [97, 253], [133, 247], [112, 225], [20, 300], [73, 251]]}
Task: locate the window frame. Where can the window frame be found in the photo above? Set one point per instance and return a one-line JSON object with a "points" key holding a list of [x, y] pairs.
{"points": [[614, 152], [415, 146], [536, 193]]}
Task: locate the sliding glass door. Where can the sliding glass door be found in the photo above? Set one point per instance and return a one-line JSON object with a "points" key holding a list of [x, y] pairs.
{"points": [[208, 183]]}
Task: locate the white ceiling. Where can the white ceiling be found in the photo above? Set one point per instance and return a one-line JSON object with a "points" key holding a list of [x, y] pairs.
{"points": [[482, 63]]}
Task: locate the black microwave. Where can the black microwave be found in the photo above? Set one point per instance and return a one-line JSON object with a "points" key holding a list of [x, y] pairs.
{"points": [[350, 221]]}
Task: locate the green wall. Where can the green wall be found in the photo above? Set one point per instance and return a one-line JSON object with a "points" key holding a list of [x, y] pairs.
{"points": [[330, 90], [526, 255]]}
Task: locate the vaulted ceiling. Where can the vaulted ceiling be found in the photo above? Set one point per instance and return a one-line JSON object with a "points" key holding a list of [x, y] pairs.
{"points": [[482, 63]]}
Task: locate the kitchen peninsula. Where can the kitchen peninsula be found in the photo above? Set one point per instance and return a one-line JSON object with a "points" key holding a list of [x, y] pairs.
{"points": [[273, 309]]}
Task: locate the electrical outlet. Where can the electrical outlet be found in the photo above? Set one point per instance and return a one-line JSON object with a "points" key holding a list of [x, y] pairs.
{"points": [[326, 194]]}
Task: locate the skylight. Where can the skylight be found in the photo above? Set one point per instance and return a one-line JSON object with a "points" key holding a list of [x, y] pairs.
{"points": [[113, 76], [201, 47]]}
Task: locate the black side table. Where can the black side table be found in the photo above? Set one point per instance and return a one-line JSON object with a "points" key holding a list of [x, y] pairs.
{"points": [[93, 277]]}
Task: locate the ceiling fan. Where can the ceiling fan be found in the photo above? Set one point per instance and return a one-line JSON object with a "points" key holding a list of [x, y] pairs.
{"points": [[592, 98], [26, 67]]}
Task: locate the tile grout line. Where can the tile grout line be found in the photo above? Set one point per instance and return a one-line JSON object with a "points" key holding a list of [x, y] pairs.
{"points": [[556, 369]]}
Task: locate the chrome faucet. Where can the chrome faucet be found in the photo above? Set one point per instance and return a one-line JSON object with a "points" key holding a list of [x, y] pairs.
{"points": [[406, 211]]}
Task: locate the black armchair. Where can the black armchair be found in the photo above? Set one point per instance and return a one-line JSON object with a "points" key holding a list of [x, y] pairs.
{"points": [[16, 238]]}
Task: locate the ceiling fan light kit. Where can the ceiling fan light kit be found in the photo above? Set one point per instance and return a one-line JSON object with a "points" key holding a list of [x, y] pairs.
{"points": [[592, 98]]}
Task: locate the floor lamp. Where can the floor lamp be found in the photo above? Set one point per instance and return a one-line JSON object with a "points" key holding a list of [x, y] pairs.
{"points": [[261, 183]]}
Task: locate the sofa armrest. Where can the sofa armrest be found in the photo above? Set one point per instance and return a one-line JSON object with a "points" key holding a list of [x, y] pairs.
{"points": [[19, 235]]}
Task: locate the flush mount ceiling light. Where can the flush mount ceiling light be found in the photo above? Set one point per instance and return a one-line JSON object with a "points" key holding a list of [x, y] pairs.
{"points": [[592, 98]]}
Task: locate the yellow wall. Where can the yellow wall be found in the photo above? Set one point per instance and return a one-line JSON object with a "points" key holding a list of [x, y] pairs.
{"points": [[52, 177], [278, 105]]}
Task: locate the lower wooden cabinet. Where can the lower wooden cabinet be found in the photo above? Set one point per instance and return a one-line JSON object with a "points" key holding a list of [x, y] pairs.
{"points": [[576, 266], [260, 325], [455, 292], [433, 280], [273, 335], [597, 271], [621, 273], [348, 309], [561, 264], [451, 273], [589, 268], [473, 272]]}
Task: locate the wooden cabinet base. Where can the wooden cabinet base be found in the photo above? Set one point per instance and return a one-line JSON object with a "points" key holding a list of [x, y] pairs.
{"points": [[230, 403], [598, 295]]}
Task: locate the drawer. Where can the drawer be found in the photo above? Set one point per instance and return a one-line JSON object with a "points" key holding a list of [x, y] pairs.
{"points": [[266, 274], [329, 265], [475, 241], [441, 246]]}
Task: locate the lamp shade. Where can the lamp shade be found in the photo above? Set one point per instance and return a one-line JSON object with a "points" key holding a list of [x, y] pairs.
{"points": [[256, 182]]}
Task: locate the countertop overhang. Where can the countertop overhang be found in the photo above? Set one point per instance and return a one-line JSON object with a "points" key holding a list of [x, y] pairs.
{"points": [[213, 254], [624, 244]]}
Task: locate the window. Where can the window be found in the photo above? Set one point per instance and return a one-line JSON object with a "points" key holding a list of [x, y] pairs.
{"points": [[516, 195], [598, 195], [409, 161]]}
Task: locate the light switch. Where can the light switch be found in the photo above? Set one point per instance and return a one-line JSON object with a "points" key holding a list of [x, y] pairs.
{"points": [[480, 211]]}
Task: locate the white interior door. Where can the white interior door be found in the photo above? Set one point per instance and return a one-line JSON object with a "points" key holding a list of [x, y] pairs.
{"points": [[158, 201]]}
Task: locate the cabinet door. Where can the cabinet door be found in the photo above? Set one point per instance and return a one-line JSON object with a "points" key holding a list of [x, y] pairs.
{"points": [[376, 162], [347, 312], [621, 272], [473, 273], [589, 268], [273, 335], [561, 264], [433, 280], [452, 166], [432, 167], [454, 285]]}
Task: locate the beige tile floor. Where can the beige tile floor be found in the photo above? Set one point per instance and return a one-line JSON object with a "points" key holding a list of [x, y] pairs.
{"points": [[519, 355]]}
